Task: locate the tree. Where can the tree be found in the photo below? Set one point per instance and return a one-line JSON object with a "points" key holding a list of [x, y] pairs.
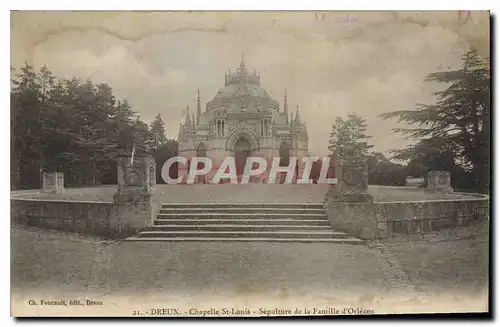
{"points": [[157, 135], [71, 126], [348, 136], [381, 171], [166, 151], [457, 124], [27, 128]]}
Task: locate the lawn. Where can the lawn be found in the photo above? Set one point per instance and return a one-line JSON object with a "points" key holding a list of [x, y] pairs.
{"points": [[247, 193]]}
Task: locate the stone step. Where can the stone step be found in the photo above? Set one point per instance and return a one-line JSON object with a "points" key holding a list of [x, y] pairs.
{"points": [[248, 215], [248, 222], [238, 209], [348, 240], [239, 228], [244, 234], [244, 205]]}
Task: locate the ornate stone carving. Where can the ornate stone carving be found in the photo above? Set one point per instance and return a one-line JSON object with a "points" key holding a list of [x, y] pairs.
{"points": [[439, 182], [352, 179], [243, 124], [136, 180], [133, 176]]}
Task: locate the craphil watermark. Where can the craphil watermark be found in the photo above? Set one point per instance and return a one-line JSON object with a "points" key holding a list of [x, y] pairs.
{"points": [[254, 166]]}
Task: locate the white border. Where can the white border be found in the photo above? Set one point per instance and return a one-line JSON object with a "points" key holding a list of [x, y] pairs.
{"points": [[184, 5], [251, 5]]}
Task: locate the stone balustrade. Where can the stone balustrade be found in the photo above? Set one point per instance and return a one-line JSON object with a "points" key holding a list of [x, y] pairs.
{"points": [[351, 209]]}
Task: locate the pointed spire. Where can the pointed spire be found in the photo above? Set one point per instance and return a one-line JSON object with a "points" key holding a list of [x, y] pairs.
{"points": [[285, 106], [297, 117], [242, 64], [291, 117], [198, 108], [187, 116]]}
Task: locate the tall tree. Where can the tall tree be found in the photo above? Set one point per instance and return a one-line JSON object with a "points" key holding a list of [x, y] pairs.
{"points": [[70, 126], [157, 135], [459, 121], [348, 136], [26, 127]]}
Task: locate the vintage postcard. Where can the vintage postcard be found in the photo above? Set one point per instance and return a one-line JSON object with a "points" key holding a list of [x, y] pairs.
{"points": [[249, 163]]}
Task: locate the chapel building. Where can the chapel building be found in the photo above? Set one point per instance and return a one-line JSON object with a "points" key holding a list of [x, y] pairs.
{"points": [[242, 120]]}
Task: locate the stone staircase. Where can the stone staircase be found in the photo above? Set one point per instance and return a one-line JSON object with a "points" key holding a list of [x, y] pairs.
{"points": [[243, 222]]}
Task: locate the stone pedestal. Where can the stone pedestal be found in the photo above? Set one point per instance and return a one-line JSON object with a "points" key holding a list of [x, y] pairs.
{"points": [[53, 182], [352, 180], [349, 206], [136, 180], [439, 182], [135, 205]]}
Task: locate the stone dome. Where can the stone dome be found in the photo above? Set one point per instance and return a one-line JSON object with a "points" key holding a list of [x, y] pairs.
{"points": [[242, 90]]}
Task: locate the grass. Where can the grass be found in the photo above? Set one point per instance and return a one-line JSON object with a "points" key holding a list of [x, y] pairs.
{"points": [[228, 193], [450, 260]]}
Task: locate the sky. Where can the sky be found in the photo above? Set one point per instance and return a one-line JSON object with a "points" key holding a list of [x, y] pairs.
{"points": [[332, 63]]}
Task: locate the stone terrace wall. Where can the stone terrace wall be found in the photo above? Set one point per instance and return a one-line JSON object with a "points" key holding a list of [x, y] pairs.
{"points": [[426, 216], [106, 219]]}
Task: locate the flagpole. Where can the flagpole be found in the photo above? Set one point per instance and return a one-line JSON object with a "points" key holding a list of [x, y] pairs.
{"points": [[132, 158]]}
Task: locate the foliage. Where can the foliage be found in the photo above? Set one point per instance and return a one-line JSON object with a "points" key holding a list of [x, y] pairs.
{"points": [[457, 126], [348, 136], [381, 171], [72, 126], [157, 137]]}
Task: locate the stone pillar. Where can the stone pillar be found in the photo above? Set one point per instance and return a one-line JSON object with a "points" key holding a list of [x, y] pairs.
{"points": [[53, 182], [135, 205], [136, 180], [352, 180], [348, 204], [439, 182]]}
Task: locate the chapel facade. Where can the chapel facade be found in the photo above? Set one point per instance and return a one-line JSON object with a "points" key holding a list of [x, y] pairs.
{"points": [[242, 120]]}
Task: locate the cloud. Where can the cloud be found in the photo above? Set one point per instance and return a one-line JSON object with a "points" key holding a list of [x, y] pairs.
{"points": [[369, 63]]}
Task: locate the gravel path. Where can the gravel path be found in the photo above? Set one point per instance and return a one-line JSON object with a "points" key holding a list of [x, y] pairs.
{"points": [[389, 277]]}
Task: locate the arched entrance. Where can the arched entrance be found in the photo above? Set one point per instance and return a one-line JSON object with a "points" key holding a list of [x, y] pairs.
{"points": [[242, 150], [284, 154], [284, 159], [201, 151]]}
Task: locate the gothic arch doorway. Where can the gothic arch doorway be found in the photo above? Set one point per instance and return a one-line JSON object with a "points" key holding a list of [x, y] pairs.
{"points": [[284, 153], [201, 151], [242, 150]]}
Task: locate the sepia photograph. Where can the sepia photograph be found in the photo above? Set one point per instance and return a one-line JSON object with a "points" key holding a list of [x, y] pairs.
{"points": [[249, 163]]}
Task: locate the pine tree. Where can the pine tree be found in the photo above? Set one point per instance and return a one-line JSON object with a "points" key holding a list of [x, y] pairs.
{"points": [[157, 135], [458, 123], [26, 127], [70, 126], [348, 136]]}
